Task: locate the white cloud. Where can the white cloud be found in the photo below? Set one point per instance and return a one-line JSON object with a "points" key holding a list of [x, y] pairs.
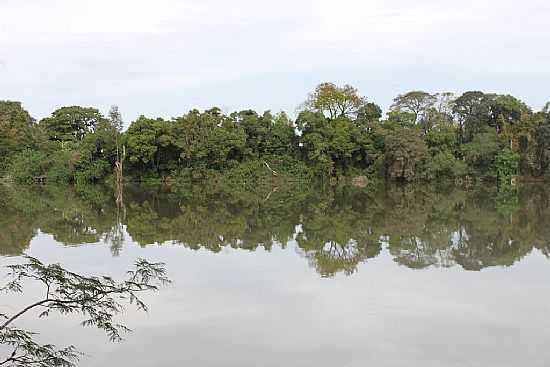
{"points": [[164, 57]]}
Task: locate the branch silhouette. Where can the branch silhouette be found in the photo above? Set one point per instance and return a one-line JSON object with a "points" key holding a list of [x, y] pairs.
{"points": [[97, 299]]}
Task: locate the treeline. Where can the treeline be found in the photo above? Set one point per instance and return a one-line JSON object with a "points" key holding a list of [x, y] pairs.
{"points": [[337, 133]]}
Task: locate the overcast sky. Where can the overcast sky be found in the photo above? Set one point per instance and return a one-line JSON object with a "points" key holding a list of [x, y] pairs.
{"points": [[164, 57]]}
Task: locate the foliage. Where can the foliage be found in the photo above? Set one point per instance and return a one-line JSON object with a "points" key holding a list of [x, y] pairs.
{"points": [[327, 98], [506, 164], [401, 119], [334, 146], [507, 110], [471, 110], [542, 136], [97, 299], [147, 140], [369, 112], [337, 133], [61, 166], [15, 129], [405, 154], [28, 166], [445, 165], [415, 102], [27, 352], [480, 154], [71, 123]]}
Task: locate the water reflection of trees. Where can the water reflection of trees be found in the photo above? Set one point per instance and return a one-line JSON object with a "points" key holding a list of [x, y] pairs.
{"points": [[69, 215], [334, 229]]}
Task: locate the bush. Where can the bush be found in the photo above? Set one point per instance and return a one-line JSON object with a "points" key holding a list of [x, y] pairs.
{"points": [[481, 152], [60, 167], [28, 166], [445, 165], [92, 171], [405, 154]]}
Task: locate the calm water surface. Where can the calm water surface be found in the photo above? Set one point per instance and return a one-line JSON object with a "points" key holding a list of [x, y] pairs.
{"points": [[400, 276]]}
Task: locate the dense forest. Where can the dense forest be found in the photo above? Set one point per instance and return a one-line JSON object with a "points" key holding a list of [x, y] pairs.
{"points": [[337, 133]]}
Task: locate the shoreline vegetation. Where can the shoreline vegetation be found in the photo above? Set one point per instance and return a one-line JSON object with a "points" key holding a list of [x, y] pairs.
{"points": [[337, 136]]}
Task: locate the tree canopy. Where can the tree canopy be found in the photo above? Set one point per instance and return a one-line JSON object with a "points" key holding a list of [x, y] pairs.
{"points": [[336, 133], [334, 101], [415, 102]]}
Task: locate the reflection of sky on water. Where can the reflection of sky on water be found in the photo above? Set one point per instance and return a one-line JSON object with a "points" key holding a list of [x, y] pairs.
{"points": [[242, 308]]}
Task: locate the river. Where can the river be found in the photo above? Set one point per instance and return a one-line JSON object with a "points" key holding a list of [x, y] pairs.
{"points": [[395, 276]]}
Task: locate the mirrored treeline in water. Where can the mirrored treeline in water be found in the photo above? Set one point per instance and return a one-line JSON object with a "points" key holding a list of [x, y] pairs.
{"points": [[334, 228]]}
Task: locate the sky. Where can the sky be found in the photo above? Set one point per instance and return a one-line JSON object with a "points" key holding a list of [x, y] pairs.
{"points": [[165, 57]]}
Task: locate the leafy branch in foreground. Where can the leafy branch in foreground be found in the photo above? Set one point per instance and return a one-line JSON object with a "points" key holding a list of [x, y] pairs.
{"points": [[97, 299], [26, 352]]}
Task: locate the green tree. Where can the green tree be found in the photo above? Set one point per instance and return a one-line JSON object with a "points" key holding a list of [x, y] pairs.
{"points": [[369, 113], [334, 101], [542, 136], [256, 129], [415, 102], [405, 154], [472, 111], [507, 111], [435, 120], [399, 119], [481, 152], [516, 124], [445, 165], [333, 146], [211, 139], [282, 139], [71, 123], [150, 143], [441, 135], [98, 152], [15, 129], [28, 166]]}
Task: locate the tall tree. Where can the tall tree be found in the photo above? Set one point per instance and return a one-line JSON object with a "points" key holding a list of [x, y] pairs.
{"points": [[507, 111], [368, 113], [150, 143], [282, 138], [71, 123], [405, 154], [416, 102], [211, 139], [481, 152], [15, 128], [334, 101], [115, 119], [472, 112]]}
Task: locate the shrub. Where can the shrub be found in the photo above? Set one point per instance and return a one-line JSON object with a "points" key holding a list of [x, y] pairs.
{"points": [[28, 166], [445, 165]]}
